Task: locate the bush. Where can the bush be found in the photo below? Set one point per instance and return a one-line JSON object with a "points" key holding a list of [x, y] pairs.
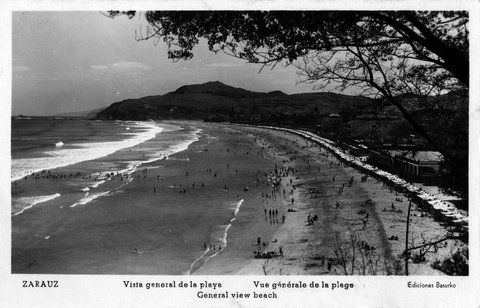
{"points": [[456, 265]]}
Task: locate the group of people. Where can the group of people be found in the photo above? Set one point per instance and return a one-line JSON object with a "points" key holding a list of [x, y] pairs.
{"points": [[212, 247], [271, 212], [46, 174], [311, 219], [257, 254], [266, 254]]}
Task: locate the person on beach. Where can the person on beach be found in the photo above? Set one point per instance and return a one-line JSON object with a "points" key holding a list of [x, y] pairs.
{"points": [[283, 218], [259, 241]]}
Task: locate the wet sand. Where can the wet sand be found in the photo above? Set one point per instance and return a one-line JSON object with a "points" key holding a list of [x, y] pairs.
{"points": [[228, 166]]}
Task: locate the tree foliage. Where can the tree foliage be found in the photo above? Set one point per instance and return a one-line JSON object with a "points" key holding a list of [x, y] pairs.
{"points": [[382, 54], [266, 37]]}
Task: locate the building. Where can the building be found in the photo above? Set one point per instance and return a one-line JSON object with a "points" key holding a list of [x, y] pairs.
{"points": [[255, 118], [419, 163], [415, 163], [330, 121], [374, 126]]}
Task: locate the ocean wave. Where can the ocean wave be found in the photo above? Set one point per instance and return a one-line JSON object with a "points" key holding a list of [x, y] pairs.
{"points": [[87, 198], [134, 165], [76, 153], [179, 158], [220, 235], [25, 203], [162, 154], [224, 235]]}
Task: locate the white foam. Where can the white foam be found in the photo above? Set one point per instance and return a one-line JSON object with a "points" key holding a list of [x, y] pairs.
{"points": [[28, 202], [235, 212], [97, 184], [81, 152], [179, 158], [189, 272], [223, 238], [89, 198], [164, 154]]}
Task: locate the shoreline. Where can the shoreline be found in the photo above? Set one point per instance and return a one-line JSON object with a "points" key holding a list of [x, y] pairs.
{"points": [[435, 202], [309, 255], [91, 150], [227, 165]]}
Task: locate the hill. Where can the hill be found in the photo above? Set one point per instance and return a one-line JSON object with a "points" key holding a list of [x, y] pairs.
{"points": [[211, 99]]}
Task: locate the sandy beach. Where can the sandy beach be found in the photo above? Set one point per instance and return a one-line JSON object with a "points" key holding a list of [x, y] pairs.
{"points": [[204, 210], [310, 248]]}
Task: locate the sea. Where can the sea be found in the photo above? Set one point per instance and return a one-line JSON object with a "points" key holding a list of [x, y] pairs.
{"points": [[79, 156], [42, 144]]}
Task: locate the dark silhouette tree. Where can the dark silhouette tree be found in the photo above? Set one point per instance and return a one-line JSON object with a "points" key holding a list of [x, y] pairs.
{"points": [[268, 37], [382, 54]]}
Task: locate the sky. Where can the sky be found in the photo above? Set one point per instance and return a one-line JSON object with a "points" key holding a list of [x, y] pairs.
{"points": [[74, 61]]}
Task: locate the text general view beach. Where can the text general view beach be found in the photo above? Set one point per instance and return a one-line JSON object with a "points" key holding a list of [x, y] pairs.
{"points": [[188, 198]]}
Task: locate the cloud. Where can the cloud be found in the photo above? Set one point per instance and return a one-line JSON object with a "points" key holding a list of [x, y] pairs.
{"points": [[20, 69], [121, 66], [224, 64], [131, 66], [99, 67]]}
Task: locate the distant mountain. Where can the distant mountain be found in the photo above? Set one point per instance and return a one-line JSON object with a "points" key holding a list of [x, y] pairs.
{"points": [[201, 101], [220, 89]]}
